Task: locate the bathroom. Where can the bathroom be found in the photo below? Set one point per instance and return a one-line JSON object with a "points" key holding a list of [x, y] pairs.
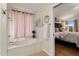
{"points": [[26, 37]]}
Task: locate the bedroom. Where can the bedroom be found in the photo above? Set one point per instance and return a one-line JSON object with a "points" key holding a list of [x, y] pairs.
{"points": [[67, 29]]}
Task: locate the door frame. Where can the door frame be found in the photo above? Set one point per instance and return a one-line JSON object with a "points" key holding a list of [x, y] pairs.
{"points": [[3, 30]]}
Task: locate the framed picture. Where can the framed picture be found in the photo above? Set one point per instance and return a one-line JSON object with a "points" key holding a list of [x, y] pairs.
{"points": [[46, 19], [39, 22]]}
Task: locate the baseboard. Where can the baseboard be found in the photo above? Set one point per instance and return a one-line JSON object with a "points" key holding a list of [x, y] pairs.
{"points": [[46, 52]]}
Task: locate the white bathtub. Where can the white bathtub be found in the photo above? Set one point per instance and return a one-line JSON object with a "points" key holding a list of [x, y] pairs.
{"points": [[24, 48]]}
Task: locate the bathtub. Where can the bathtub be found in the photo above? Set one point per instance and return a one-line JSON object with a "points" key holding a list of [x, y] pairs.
{"points": [[24, 48]]}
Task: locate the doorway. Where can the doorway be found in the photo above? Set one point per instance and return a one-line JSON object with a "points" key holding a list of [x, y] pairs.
{"points": [[66, 29]]}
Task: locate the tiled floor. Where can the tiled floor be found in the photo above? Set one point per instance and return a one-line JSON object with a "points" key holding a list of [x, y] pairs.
{"points": [[40, 53]]}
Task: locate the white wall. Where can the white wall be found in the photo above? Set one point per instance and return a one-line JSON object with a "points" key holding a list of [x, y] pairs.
{"points": [[48, 45]]}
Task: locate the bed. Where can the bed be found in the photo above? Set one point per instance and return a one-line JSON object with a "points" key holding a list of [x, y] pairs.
{"points": [[72, 37]]}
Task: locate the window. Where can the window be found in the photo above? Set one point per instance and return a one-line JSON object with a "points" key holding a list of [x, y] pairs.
{"points": [[71, 24]]}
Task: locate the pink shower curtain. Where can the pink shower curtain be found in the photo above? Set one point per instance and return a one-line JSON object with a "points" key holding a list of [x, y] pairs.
{"points": [[23, 24], [28, 25]]}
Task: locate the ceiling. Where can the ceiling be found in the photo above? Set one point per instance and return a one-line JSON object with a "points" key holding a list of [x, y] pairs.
{"points": [[66, 10], [32, 6]]}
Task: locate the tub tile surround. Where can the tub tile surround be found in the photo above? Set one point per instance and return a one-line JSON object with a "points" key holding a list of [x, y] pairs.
{"points": [[25, 50], [27, 42]]}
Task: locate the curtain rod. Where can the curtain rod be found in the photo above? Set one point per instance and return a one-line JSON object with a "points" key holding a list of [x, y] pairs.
{"points": [[58, 5], [23, 12]]}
